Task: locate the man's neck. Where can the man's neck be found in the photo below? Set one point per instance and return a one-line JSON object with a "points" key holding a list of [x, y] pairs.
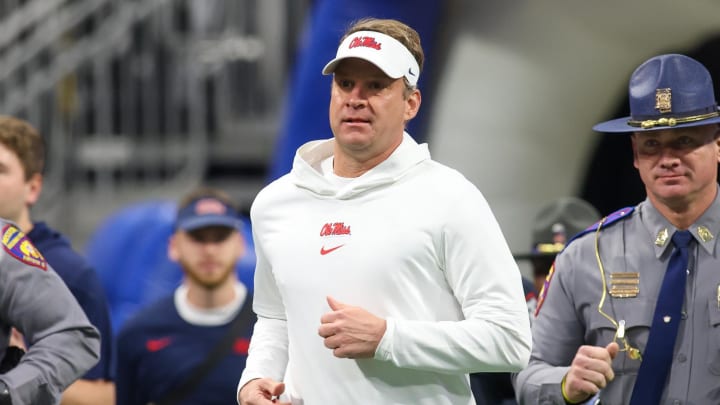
{"points": [[355, 163], [203, 298], [24, 222], [682, 214]]}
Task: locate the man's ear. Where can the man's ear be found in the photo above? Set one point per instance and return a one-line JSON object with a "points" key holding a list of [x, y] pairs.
{"points": [[717, 142], [242, 248], [633, 140], [33, 189], [172, 249], [412, 105]]}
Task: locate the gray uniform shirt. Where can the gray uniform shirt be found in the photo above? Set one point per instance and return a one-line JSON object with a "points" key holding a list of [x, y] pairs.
{"points": [[569, 316], [33, 299]]}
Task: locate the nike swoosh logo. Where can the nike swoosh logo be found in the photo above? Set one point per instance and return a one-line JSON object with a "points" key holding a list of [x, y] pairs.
{"points": [[155, 345], [411, 72], [241, 346], [324, 251]]}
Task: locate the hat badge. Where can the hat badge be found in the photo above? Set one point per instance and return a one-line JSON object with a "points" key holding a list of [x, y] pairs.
{"points": [[663, 100]]}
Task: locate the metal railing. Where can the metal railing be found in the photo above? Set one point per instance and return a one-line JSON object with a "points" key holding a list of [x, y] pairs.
{"points": [[136, 98]]}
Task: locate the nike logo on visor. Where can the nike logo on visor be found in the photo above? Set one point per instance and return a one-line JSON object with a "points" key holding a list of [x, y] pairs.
{"points": [[324, 251]]}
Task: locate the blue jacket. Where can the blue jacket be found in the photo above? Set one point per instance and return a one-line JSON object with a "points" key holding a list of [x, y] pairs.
{"points": [[83, 282]]}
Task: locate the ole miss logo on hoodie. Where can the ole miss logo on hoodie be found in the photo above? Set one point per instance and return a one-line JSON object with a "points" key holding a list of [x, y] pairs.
{"points": [[333, 233]]}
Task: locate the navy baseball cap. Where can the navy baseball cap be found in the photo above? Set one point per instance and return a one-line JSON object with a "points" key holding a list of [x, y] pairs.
{"points": [[207, 211], [667, 91]]}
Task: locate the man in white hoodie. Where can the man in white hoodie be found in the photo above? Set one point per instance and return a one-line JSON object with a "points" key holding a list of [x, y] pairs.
{"points": [[382, 276]]}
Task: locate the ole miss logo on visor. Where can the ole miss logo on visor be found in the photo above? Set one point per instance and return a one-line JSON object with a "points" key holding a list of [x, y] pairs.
{"points": [[367, 42]]}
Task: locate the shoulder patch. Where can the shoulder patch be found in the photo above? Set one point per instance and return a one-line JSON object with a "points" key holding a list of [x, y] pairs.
{"points": [[17, 245], [605, 222]]}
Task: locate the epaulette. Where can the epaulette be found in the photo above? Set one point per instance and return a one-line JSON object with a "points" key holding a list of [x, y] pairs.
{"points": [[609, 220]]}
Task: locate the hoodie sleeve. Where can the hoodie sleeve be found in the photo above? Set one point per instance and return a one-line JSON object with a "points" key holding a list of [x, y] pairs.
{"points": [[494, 335], [268, 351]]}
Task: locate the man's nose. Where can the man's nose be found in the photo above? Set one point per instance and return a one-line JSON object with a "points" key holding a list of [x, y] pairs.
{"points": [[669, 156], [356, 98]]}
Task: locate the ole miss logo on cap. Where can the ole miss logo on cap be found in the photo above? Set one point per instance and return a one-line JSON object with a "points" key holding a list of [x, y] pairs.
{"points": [[209, 206], [367, 42]]}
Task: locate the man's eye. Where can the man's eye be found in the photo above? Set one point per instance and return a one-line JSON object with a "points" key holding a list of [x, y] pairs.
{"points": [[344, 83], [685, 140]]}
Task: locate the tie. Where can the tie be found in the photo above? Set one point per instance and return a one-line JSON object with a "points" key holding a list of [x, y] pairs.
{"points": [[658, 354]]}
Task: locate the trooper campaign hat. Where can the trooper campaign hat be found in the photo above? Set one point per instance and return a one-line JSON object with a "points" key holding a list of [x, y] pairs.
{"points": [[556, 223], [667, 91]]}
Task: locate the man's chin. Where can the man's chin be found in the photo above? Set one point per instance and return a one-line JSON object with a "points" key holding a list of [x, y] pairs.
{"points": [[671, 189], [211, 282], [672, 196]]}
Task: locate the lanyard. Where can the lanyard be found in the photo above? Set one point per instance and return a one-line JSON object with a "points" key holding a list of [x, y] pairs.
{"points": [[632, 352]]}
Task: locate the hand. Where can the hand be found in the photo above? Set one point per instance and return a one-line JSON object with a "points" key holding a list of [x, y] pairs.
{"points": [[14, 352], [17, 339], [590, 371], [261, 391], [351, 332]]}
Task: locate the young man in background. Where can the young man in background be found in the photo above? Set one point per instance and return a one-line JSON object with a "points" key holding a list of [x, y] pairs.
{"points": [[22, 160], [188, 348]]}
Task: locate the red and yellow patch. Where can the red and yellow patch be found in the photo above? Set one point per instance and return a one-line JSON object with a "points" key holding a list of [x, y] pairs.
{"points": [[17, 244], [545, 287]]}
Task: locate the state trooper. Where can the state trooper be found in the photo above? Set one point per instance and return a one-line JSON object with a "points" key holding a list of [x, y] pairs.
{"points": [[63, 344], [631, 310]]}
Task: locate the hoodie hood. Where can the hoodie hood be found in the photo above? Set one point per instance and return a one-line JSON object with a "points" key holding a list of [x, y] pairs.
{"points": [[307, 173]]}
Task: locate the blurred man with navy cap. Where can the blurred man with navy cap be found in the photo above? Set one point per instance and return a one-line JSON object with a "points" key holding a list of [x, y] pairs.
{"points": [[632, 314], [189, 347]]}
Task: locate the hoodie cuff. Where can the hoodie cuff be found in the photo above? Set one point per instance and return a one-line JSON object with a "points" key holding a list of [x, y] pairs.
{"points": [[384, 350]]}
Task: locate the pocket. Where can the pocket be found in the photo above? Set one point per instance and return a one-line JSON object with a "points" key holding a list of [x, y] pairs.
{"points": [[714, 337], [637, 315]]}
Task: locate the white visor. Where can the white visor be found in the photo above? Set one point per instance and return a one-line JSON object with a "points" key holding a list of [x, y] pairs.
{"points": [[383, 51]]}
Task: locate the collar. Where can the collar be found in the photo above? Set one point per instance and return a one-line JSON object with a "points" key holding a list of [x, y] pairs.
{"points": [[705, 230], [212, 316], [307, 172]]}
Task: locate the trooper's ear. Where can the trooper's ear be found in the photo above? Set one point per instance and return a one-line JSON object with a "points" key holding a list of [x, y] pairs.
{"points": [[633, 140]]}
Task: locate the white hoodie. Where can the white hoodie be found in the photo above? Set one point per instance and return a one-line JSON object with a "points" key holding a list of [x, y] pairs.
{"points": [[411, 241]]}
